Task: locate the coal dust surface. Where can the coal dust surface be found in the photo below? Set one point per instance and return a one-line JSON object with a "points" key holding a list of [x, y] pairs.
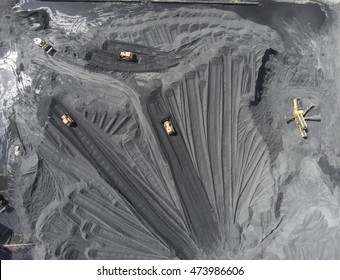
{"points": [[232, 180]]}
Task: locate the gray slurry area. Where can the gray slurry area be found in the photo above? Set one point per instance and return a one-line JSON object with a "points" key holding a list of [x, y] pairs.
{"points": [[234, 181]]}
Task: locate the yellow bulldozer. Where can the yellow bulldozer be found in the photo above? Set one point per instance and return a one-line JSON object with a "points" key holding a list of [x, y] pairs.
{"points": [[169, 128], [67, 120], [299, 116], [128, 56]]}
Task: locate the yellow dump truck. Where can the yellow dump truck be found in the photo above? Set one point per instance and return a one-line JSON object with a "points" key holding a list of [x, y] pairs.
{"points": [[67, 120], [169, 128], [128, 56], [45, 46]]}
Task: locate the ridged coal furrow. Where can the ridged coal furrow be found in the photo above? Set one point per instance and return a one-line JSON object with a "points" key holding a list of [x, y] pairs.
{"points": [[73, 249], [72, 254], [211, 41], [83, 215], [94, 118], [145, 168], [220, 35], [219, 187], [155, 246], [193, 27], [142, 39], [250, 168], [125, 37], [110, 124], [183, 28], [102, 193], [116, 241], [180, 100], [150, 40], [136, 38], [219, 190], [170, 95], [157, 35], [185, 110], [53, 226], [112, 219], [99, 198], [68, 211], [173, 31], [242, 154], [252, 63], [101, 254], [228, 164], [191, 121], [198, 212], [200, 136], [167, 36], [102, 120], [236, 82], [214, 70], [108, 236], [248, 183], [115, 129], [113, 245]]}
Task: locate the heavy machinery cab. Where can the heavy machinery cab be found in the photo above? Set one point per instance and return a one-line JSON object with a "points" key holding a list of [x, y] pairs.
{"points": [[127, 55], [299, 105], [169, 128], [41, 43], [67, 120], [45, 46]]}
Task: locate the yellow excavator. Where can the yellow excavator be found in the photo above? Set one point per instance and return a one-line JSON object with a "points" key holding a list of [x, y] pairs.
{"points": [[299, 116]]}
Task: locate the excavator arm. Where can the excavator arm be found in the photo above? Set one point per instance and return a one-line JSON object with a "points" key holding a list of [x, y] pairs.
{"points": [[299, 116]]}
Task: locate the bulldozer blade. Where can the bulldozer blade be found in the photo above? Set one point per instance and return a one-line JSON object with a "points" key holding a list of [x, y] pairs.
{"points": [[316, 118]]}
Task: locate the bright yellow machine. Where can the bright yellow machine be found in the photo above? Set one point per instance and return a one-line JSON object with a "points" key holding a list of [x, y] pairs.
{"points": [[67, 120], [45, 46], [169, 128], [299, 116], [128, 56]]}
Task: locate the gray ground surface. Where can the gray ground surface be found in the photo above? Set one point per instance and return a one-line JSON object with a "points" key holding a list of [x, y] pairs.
{"points": [[235, 182]]}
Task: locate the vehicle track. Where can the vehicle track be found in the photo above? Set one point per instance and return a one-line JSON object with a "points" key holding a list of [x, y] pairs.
{"points": [[198, 211]]}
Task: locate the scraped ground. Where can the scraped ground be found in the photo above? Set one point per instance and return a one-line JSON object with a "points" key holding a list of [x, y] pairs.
{"points": [[235, 182]]}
